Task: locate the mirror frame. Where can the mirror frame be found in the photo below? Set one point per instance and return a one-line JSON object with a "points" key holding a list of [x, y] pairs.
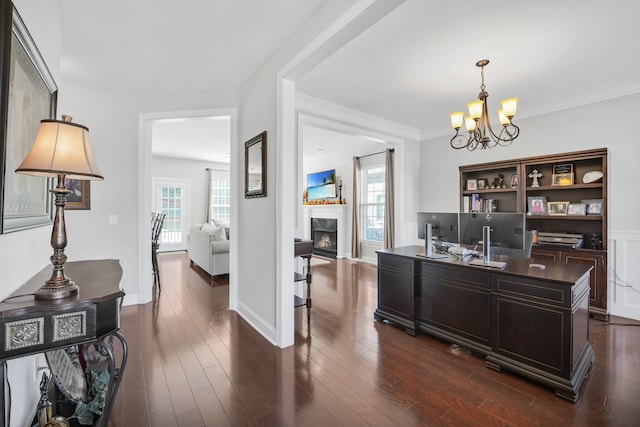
{"points": [[261, 192]]}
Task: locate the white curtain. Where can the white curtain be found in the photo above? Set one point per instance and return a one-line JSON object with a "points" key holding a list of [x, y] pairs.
{"points": [[389, 206], [355, 218], [208, 197]]}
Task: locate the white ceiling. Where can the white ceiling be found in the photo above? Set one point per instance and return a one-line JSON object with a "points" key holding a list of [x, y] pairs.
{"points": [[200, 138], [166, 46], [413, 67], [418, 64]]}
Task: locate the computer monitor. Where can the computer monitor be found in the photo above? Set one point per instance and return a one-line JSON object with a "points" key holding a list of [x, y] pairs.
{"points": [[507, 229], [444, 226]]}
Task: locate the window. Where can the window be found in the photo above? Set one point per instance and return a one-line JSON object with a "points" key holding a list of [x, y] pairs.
{"points": [[220, 197], [372, 203], [171, 205]]}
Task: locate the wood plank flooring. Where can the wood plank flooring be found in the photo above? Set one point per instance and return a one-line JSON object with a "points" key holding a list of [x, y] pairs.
{"points": [[192, 362]]}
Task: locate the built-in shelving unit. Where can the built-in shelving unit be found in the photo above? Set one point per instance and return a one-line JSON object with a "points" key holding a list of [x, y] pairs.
{"points": [[520, 188]]}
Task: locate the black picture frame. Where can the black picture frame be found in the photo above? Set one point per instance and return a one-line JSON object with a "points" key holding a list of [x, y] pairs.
{"points": [[537, 205], [255, 166], [594, 206], [22, 71]]}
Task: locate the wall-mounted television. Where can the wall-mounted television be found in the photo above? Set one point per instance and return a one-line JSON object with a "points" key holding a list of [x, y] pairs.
{"points": [[322, 185]]}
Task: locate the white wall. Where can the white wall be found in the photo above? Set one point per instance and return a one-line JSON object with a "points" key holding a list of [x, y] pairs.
{"points": [[24, 253], [257, 240], [603, 124], [113, 120], [193, 171]]}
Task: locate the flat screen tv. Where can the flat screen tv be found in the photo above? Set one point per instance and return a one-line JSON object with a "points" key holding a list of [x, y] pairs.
{"points": [[322, 185], [507, 229]]}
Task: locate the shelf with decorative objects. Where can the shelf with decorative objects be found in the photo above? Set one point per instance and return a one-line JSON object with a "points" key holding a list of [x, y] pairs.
{"points": [[560, 194]]}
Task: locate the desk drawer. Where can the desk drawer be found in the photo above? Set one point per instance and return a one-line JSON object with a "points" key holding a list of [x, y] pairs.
{"points": [[396, 263], [28, 334]]}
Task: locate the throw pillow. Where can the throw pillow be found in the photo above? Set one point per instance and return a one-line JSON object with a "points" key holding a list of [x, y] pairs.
{"points": [[208, 228], [219, 234]]}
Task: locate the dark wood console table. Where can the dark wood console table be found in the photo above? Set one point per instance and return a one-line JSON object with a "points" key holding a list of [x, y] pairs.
{"points": [[529, 320], [90, 320]]}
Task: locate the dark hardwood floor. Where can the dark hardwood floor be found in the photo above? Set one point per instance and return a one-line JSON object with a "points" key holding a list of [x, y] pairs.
{"points": [[192, 362]]}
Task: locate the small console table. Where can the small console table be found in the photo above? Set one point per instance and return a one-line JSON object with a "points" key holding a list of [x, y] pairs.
{"points": [[90, 320], [303, 249], [530, 318]]}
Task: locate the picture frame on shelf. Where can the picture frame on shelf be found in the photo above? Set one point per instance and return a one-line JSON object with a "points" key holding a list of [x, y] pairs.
{"points": [[561, 179], [563, 168], [577, 209], [472, 185], [557, 208], [537, 205], [594, 206], [514, 180], [481, 184]]}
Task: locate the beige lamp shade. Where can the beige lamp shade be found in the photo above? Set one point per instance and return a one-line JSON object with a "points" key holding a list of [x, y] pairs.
{"points": [[61, 148], [456, 119]]}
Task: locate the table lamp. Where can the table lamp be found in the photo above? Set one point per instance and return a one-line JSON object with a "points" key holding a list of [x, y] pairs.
{"points": [[61, 150]]}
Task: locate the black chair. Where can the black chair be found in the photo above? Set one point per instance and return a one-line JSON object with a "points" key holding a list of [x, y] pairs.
{"points": [[156, 228]]}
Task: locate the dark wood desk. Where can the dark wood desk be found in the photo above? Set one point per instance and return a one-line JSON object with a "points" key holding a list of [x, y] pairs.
{"points": [[90, 319], [528, 320]]}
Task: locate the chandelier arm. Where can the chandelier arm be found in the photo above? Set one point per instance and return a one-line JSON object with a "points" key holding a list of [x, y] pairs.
{"points": [[512, 131], [496, 138], [458, 141]]}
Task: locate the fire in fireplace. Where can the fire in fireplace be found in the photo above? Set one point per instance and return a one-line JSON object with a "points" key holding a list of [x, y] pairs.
{"points": [[324, 233]]}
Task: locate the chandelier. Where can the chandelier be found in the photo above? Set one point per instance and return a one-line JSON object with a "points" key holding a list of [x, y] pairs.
{"points": [[481, 135]]}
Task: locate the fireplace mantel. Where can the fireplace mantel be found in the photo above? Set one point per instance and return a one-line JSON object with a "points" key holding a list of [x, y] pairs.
{"points": [[328, 211]]}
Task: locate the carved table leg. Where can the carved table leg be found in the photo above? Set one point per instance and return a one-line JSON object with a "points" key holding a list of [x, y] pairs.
{"points": [[102, 349]]}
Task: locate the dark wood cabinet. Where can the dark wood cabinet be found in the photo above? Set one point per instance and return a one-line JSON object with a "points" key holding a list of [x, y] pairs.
{"points": [[593, 228], [397, 277], [598, 274], [525, 319]]}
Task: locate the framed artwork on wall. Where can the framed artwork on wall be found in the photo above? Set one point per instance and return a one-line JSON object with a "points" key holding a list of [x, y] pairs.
{"points": [[28, 94], [80, 196]]}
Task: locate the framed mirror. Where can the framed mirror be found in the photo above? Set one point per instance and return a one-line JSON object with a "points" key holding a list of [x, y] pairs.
{"points": [[255, 166]]}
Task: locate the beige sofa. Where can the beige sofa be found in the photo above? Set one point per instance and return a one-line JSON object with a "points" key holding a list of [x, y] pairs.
{"points": [[209, 248]]}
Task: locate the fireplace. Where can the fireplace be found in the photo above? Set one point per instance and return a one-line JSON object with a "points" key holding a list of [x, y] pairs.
{"points": [[324, 233], [337, 213]]}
